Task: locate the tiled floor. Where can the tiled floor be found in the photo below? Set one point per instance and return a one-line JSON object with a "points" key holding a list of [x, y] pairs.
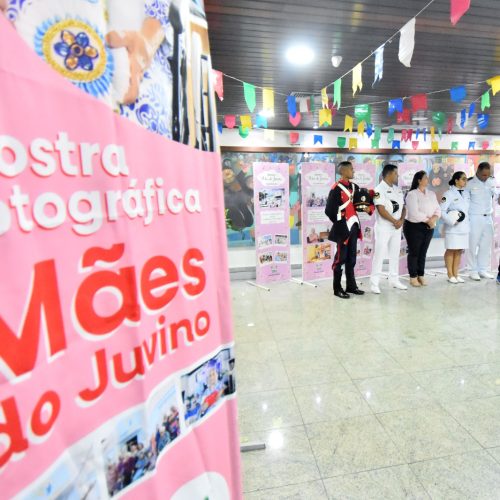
{"points": [[378, 397]]}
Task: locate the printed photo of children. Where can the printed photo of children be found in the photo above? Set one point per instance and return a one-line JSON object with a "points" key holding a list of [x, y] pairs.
{"points": [[319, 252], [281, 239], [265, 258], [316, 197], [271, 198], [281, 257], [265, 241]]}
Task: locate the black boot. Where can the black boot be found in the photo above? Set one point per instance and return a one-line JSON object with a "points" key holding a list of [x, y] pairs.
{"points": [[338, 291]]}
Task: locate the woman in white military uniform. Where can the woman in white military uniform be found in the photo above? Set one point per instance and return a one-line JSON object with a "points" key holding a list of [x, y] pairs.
{"points": [[390, 216], [455, 213]]}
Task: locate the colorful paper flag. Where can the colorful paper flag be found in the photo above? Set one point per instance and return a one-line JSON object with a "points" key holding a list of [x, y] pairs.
{"points": [[325, 117], [433, 133], [454, 145], [348, 123], [485, 145], [415, 145], [337, 93], [450, 125], [261, 121], [246, 121], [249, 92], [496, 145], [312, 105], [318, 138], [294, 137], [295, 120], [378, 133], [404, 116], [425, 134], [396, 144], [482, 120], [472, 145], [220, 126], [243, 132], [376, 143], [495, 84], [404, 135], [458, 9], [292, 105], [395, 105], [361, 128], [341, 142], [379, 64], [435, 146], [410, 134], [458, 94], [472, 109], [463, 118], [418, 133], [218, 83], [357, 79], [485, 101], [324, 98], [407, 43], [353, 142], [363, 112], [438, 118], [269, 135], [268, 99], [303, 104], [230, 121], [390, 135], [369, 130], [418, 102]]}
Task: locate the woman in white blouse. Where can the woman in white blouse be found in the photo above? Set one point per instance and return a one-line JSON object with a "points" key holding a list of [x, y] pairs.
{"points": [[422, 214]]}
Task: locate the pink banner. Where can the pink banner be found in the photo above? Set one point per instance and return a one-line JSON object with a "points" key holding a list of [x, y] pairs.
{"points": [[364, 177], [116, 354], [317, 251], [272, 222]]}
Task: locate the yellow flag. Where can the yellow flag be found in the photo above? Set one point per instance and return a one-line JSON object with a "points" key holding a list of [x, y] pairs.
{"points": [[496, 145], [435, 146], [269, 135], [246, 121], [361, 128], [433, 133], [325, 117], [268, 99], [357, 79], [324, 98], [349, 123], [495, 84], [353, 142]]}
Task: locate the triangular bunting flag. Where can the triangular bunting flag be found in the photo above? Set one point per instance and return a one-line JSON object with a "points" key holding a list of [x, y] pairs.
{"points": [[318, 138], [312, 105], [458, 119], [363, 112], [435, 146], [418, 133], [390, 135], [450, 125], [483, 120], [325, 117], [246, 121], [494, 83], [463, 118], [454, 145], [379, 64], [376, 143], [485, 101], [433, 133], [292, 105], [458, 94], [485, 145], [458, 9], [324, 98], [378, 133], [425, 134], [407, 43], [341, 142], [395, 105], [496, 145], [404, 135], [218, 83], [249, 92], [404, 116], [361, 128], [303, 107], [295, 120], [472, 109], [294, 137], [410, 134], [418, 102], [230, 121], [269, 135], [472, 145], [220, 126], [348, 123], [414, 145], [261, 121], [396, 144], [357, 79], [369, 130], [337, 93], [244, 132], [440, 132], [353, 142], [268, 99]]}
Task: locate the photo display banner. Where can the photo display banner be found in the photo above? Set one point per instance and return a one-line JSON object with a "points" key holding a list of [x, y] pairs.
{"points": [[116, 347], [364, 177], [272, 222], [317, 251]]}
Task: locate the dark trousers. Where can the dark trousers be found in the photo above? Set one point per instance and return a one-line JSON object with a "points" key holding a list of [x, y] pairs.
{"points": [[346, 256], [418, 236]]}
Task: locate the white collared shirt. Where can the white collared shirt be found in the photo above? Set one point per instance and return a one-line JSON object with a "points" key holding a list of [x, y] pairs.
{"points": [[392, 199]]}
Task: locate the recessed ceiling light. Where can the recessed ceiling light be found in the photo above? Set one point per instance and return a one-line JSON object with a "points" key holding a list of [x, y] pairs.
{"points": [[300, 55], [336, 60]]}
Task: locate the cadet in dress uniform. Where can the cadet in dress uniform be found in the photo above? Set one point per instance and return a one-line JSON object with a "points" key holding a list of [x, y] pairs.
{"points": [[346, 230], [455, 214], [390, 216], [482, 193]]}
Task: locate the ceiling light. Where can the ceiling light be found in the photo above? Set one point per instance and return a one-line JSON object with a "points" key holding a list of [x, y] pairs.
{"points": [[336, 60], [474, 131], [300, 55], [267, 113]]}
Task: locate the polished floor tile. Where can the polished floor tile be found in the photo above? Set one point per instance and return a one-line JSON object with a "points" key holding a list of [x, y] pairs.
{"points": [[391, 483], [315, 370], [305, 491], [417, 359], [371, 363]]}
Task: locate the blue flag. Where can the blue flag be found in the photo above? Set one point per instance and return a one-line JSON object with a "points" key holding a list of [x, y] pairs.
{"points": [[458, 94], [379, 64], [318, 138], [395, 105], [472, 109], [472, 144], [463, 118], [396, 144], [220, 127], [483, 120], [292, 105], [261, 121], [369, 130]]}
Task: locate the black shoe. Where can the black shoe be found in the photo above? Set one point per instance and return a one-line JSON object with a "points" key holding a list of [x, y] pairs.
{"points": [[355, 291], [341, 294]]}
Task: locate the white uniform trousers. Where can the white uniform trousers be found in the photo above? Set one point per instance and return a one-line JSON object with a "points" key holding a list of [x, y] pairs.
{"points": [[480, 242], [387, 245]]}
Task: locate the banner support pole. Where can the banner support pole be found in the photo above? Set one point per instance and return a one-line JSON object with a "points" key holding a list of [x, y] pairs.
{"points": [[245, 448], [252, 283], [302, 282]]}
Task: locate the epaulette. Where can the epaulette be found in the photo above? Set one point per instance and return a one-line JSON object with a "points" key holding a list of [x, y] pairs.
{"points": [[470, 178]]}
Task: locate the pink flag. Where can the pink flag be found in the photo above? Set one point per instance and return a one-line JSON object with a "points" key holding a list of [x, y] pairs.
{"points": [[458, 9], [415, 145], [451, 122], [230, 121], [410, 134], [404, 117], [295, 120], [294, 137], [418, 102], [404, 135], [485, 145], [218, 83]]}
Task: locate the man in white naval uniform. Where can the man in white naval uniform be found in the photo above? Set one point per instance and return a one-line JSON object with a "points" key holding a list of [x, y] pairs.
{"points": [[482, 194], [389, 201]]}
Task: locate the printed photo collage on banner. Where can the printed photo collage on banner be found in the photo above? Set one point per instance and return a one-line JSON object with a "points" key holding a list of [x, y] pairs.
{"points": [[116, 341]]}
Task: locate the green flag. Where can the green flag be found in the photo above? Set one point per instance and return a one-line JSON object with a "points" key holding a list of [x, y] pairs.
{"points": [[244, 131], [390, 135], [375, 143], [363, 112], [454, 145], [341, 142], [337, 93], [439, 118], [378, 133], [485, 101], [249, 91], [312, 106], [440, 132]]}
